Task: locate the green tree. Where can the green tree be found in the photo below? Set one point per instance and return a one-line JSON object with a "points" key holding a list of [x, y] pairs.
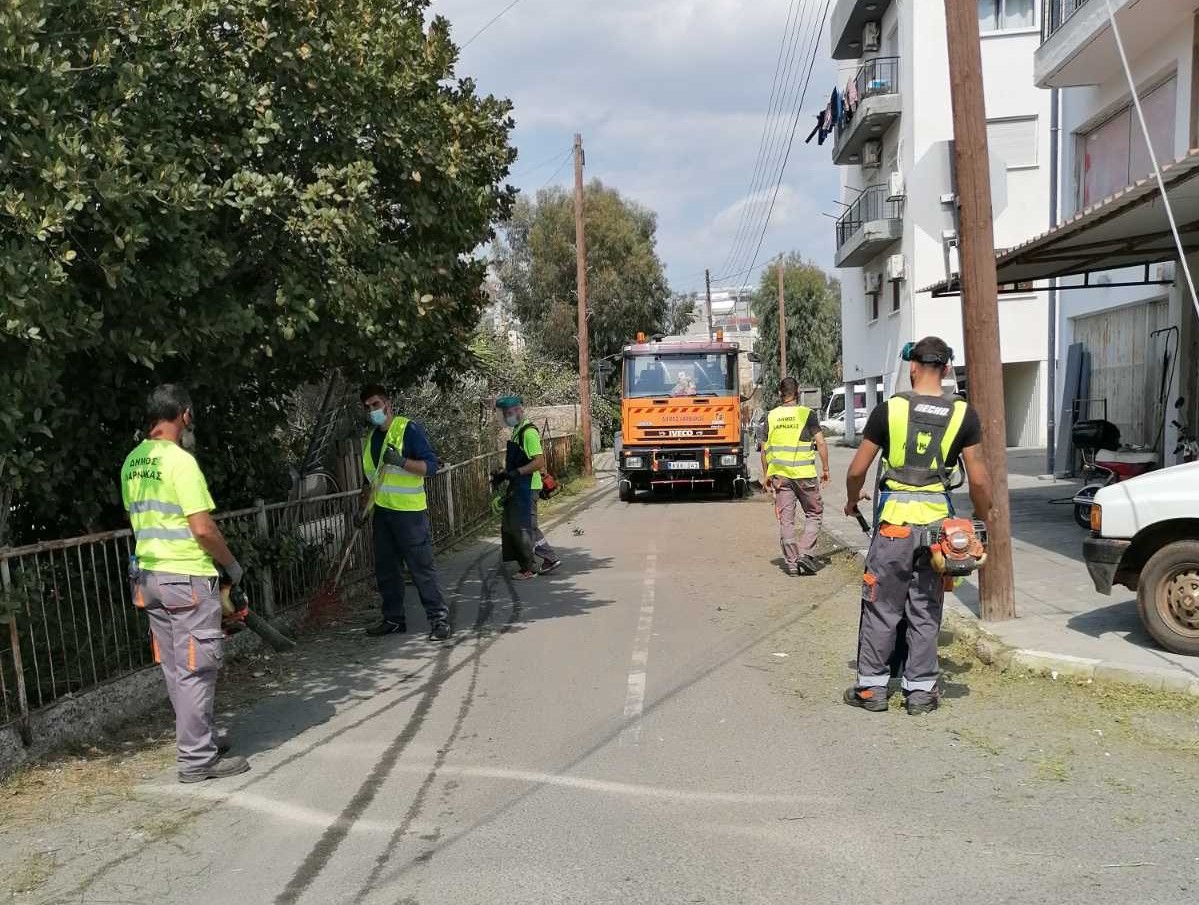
{"points": [[812, 313], [626, 283], [236, 194]]}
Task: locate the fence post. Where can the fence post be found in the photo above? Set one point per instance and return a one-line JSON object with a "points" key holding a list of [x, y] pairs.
{"points": [[267, 577], [23, 724], [449, 500]]}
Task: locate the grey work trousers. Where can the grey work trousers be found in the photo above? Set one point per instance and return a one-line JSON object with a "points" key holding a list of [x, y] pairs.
{"points": [[900, 583], [791, 497], [188, 642], [541, 546]]}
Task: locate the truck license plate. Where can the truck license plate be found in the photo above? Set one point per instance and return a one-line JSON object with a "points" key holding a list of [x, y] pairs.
{"points": [[684, 466]]}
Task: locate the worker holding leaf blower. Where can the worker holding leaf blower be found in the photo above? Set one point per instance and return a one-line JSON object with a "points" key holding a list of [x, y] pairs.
{"points": [[918, 547], [396, 458], [180, 562]]}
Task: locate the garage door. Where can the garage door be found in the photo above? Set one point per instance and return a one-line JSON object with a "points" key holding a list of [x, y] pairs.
{"points": [[1123, 369]]}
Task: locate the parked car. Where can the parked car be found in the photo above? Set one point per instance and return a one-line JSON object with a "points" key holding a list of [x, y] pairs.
{"points": [[834, 426], [1145, 537]]}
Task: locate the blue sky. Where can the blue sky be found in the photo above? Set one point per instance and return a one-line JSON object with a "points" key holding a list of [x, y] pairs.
{"points": [[671, 97]]}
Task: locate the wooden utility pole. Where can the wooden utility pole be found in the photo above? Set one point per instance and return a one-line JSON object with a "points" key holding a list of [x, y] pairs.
{"points": [[980, 303], [782, 326], [584, 339], [708, 291]]}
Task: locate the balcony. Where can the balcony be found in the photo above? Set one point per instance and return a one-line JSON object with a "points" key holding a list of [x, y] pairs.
{"points": [[1077, 44], [877, 84], [869, 227], [848, 19]]}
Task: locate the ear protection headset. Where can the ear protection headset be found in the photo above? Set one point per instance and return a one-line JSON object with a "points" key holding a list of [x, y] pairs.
{"points": [[909, 354]]}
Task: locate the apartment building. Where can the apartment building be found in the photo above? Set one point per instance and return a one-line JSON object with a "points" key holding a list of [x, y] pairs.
{"points": [[892, 133], [1126, 336]]}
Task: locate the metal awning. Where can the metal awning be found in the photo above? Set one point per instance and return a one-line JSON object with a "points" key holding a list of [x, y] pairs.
{"points": [[1129, 229]]}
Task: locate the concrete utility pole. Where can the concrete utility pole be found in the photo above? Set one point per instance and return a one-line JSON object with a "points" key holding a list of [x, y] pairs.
{"points": [[584, 340], [782, 327], [980, 303], [708, 290]]}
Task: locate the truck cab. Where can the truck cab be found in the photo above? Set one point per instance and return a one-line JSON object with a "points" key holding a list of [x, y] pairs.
{"points": [[681, 414], [1145, 537]]}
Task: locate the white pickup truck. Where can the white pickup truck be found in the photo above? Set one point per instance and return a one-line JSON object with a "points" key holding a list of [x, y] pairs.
{"points": [[1145, 536]]}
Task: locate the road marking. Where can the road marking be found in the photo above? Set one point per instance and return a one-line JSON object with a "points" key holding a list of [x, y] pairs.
{"points": [[634, 702]]}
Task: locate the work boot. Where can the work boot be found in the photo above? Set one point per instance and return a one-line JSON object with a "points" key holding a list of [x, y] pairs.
{"points": [[922, 702], [793, 569], [808, 565], [221, 768], [440, 631], [387, 627], [548, 565], [872, 699]]}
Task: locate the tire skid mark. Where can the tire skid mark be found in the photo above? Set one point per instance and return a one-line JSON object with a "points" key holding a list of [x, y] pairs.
{"points": [[418, 801], [79, 891], [322, 853]]}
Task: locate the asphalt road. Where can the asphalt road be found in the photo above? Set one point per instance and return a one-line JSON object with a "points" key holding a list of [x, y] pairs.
{"points": [[657, 722]]}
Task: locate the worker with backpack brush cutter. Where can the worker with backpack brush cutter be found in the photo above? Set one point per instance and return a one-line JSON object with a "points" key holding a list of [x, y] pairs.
{"points": [[524, 468], [919, 548]]}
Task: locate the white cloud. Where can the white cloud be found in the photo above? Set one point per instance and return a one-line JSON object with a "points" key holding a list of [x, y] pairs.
{"points": [[671, 97]]}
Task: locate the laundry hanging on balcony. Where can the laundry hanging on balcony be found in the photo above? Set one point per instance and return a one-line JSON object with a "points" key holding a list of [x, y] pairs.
{"points": [[828, 119]]}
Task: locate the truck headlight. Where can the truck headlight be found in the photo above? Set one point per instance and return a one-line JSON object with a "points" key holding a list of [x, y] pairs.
{"points": [[632, 462], [728, 460], [1096, 518]]}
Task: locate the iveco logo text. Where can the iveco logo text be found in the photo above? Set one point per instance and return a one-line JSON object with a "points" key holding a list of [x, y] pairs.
{"points": [[680, 433], [932, 409]]}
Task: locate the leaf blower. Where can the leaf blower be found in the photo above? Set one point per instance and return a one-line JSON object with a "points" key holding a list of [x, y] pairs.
{"points": [[236, 613]]}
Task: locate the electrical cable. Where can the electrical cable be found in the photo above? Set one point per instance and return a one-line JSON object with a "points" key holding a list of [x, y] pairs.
{"points": [[490, 23]]}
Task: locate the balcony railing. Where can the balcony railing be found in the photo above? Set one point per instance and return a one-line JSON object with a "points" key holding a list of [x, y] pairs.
{"points": [[1056, 13], [873, 204], [874, 78]]}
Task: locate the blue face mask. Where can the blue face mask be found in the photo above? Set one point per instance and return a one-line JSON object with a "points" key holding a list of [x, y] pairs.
{"points": [[511, 420], [378, 417]]}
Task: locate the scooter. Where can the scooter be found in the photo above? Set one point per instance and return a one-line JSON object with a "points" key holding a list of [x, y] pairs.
{"points": [[1103, 463], [1187, 449]]}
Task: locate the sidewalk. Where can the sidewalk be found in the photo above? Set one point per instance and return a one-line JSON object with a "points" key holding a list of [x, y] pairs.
{"points": [[1062, 623]]}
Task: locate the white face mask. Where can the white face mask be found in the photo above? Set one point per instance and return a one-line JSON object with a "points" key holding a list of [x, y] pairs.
{"points": [[187, 439]]}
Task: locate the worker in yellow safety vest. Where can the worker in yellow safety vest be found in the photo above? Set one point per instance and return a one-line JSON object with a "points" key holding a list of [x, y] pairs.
{"points": [[175, 573], [922, 436], [396, 459], [791, 444]]}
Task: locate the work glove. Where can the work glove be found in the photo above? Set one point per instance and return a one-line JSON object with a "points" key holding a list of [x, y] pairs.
{"points": [[392, 457], [361, 516], [231, 574], [498, 478]]}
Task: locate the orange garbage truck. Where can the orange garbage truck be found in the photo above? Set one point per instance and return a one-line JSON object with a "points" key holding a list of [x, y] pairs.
{"points": [[681, 416]]}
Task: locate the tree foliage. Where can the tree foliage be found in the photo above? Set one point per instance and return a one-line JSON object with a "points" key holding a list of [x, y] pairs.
{"points": [[626, 283], [812, 313], [239, 195]]}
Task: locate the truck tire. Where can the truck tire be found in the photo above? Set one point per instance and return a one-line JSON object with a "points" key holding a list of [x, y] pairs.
{"points": [[627, 493], [1082, 511], [1168, 597]]}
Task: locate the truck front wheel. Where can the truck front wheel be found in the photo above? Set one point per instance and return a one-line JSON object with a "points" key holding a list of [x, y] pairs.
{"points": [[1168, 597]]}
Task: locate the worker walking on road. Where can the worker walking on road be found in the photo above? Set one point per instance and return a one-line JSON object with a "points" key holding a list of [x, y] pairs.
{"points": [[922, 435], [399, 450], [789, 449], [175, 579], [524, 463]]}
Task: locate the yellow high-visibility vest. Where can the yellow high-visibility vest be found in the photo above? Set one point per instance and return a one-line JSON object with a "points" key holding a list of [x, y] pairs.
{"points": [[397, 490]]}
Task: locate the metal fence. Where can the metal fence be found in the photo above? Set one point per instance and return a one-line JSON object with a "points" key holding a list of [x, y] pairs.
{"points": [[71, 624], [873, 78], [1056, 13], [873, 204]]}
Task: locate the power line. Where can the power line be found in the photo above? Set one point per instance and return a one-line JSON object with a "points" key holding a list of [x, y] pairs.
{"points": [[779, 143], [490, 23], [790, 141], [565, 159], [545, 163], [774, 85], [803, 42]]}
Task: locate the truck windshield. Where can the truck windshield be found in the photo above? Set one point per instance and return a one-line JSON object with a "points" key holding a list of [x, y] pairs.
{"points": [[681, 374]]}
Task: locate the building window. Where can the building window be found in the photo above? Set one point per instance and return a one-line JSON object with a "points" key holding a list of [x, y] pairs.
{"points": [[894, 296], [871, 306], [1113, 155], [1001, 15], [1014, 141]]}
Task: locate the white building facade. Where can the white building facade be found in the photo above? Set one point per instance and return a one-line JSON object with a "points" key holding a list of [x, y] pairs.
{"points": [[1137, 338], [897, 232]]}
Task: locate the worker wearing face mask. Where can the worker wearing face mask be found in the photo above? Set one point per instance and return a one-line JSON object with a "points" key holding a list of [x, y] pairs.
{"points": [[396, 459], [524, 543]]}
